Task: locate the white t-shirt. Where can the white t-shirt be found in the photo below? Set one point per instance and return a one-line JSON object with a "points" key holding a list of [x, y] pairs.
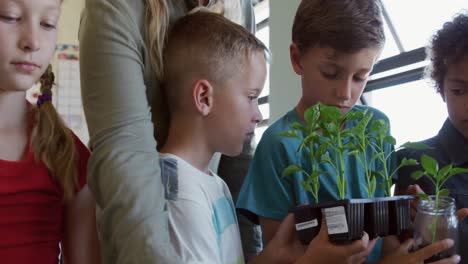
{"points": [[202, 220]]}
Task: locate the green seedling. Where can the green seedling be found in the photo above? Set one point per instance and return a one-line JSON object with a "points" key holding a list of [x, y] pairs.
{"points": [[438, 177], [324, 130], [379, 138]]}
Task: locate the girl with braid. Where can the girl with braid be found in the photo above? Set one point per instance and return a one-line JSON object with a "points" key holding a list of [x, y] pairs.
{"points": [[45, 204]]}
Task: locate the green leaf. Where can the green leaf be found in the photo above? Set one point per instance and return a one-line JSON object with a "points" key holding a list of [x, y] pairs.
{"points": [[331, 129], [326, 158], [291, 134], [379, 127], [348, 145], [390, 140], [373, 186], [312, 138], [408, 162], [316, 174], [429, 164], [345, 188], [319, 152], [375, 156], [347, 133], [379, 173], [301, 146], [290, 170], [382, 186], [312, 114], [444, 171], [355, 115], [423, 196], [307, 186], [361, 127], [415, 145], [455, 171], [444, 192], [299, 126], [354, 153], [329, 112], [365, 189], [417, 175]]}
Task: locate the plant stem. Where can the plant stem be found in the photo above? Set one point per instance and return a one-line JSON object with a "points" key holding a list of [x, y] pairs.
{"points": [[313, 166], [342, 165], [436, 211]]}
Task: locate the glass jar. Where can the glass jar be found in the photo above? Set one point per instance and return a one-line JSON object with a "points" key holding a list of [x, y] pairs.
{"points": [[435, 223]]}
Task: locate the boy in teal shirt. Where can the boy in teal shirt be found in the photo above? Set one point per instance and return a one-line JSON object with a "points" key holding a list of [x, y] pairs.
{"points": [[335, 44]]}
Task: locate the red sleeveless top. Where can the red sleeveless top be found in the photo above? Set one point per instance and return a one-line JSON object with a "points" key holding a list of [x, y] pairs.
{"points": [[32, 210]]}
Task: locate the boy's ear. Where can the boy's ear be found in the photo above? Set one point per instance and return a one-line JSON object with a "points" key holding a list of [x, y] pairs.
{"points": [[295, 56], [203, 96]]}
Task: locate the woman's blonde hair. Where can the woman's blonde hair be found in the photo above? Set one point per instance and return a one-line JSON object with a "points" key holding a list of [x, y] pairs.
{"points": [[157, 26], [52, 142]]}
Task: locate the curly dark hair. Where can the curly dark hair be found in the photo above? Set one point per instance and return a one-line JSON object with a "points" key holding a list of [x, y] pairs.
{"points": [[448, 46]]}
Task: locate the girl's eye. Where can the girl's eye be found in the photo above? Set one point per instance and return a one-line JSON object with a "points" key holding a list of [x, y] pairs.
{"points": [[48, 26], [9, 19], [253, 98]]}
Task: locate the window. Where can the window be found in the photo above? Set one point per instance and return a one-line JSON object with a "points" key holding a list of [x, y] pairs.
{"points": [[262, 12], [415, 110]]}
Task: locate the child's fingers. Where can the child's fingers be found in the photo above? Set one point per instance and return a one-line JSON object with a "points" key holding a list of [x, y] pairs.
{"points": [[406, 246], [357, 246], [323, 232], [462, 213], [435, 248], [286, 230], [452, 260], [413, 190], [362, 256]]}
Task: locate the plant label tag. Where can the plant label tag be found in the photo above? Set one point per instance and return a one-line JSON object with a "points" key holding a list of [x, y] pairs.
{"points": [[306, 225], [336, 220]]}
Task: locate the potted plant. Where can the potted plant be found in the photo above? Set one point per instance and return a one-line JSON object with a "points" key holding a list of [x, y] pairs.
{"points": [[436, 217], [325, 134], [327, 140]]}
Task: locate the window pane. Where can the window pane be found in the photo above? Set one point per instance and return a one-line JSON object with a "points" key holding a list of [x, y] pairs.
{"points": [[415, 21], [390, 48], [265, 110], [264, 35], [415, 110]]}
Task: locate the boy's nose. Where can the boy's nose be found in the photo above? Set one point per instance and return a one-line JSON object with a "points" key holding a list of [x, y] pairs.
{"points": [[258, 116], [343, 92]]}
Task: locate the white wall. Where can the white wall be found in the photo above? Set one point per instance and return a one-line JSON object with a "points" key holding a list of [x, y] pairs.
{"points": [[68, 34], [285, 89], [69, 21]]}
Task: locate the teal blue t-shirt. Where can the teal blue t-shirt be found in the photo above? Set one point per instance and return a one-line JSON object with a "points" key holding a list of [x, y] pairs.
{"points": [[267, 194]]}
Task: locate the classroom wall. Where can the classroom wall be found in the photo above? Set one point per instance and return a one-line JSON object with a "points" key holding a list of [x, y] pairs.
{"points": [[67, 97], [285, 89], [69, 21]]}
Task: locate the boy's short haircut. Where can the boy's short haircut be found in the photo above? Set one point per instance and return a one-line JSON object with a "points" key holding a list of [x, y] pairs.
{"points": [[205, 45], [346, 26], [448, 46]]}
